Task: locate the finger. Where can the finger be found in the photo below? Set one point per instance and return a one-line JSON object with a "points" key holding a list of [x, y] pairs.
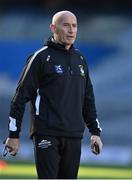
{"points": [[9, 148], [95, 148], [13, 153], [92, 148], [94, 152]]}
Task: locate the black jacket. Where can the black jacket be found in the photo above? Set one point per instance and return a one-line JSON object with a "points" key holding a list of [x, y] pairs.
{"points": [[57, 84]]}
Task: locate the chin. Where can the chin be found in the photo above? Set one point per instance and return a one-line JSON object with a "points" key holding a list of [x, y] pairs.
{"points": [[70, 43]]}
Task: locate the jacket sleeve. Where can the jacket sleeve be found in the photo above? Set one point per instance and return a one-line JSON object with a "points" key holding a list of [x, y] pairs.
{"points": [[89, 109], [27, 86]]}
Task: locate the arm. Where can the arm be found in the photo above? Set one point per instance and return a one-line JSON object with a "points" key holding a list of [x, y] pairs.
{"points": [[27, 86], [90, 117]]}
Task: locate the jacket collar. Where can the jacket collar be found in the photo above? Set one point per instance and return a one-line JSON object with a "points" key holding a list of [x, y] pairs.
{"points": [[50, 42]]}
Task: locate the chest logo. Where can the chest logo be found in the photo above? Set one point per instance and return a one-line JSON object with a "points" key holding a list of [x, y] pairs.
{"points": [[81, 70], [58, 69], [48, 58]]}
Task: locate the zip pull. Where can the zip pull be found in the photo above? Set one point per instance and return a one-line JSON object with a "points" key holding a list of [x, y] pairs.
{"points": [[69, 69]]}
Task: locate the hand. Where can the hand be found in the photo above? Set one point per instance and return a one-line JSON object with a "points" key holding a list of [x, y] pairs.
{"points": [[96, 144], [12, 145]]}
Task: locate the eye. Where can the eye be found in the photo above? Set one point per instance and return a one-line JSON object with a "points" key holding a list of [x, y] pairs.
{"points": [[74, 25], [65, 24]]}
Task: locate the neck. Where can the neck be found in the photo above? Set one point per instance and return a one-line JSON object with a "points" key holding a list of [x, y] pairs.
{"points": [[67, 47]]}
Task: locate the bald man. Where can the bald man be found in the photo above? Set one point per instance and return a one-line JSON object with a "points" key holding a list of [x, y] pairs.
{"points": [[56, 82]]}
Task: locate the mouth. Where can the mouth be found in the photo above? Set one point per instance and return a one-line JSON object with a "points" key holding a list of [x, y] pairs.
{"points": [[70, 37]]}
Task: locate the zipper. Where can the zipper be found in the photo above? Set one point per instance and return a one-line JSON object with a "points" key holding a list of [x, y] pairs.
{"points": [[69, 66], [69, 69]]}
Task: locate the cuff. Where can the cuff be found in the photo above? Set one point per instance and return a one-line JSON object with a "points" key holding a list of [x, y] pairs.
{"points": [[97, 133], [14, 134]]}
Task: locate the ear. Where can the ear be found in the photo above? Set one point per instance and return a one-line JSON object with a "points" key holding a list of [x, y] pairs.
{"points": [[52, 28]]}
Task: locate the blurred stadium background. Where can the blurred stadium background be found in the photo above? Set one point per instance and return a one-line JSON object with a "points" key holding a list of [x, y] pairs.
{"points": [[105, 37]]}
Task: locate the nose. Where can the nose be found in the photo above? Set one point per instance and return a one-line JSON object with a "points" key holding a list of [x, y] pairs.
{"points": [[71, 29]]}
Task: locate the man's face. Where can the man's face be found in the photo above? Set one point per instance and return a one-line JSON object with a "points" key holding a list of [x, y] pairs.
{"points": [[66, 30]]}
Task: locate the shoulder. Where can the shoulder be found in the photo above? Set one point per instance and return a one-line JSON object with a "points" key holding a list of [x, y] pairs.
{"points": [[40, 51], [80, 54], [38, 54], [77, 51]]}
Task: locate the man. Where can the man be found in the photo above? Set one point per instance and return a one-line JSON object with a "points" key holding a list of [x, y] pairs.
{"points": [[57, 84]]}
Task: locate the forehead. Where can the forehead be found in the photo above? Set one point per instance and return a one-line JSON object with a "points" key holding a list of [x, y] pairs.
{"points": [[68, 19]]}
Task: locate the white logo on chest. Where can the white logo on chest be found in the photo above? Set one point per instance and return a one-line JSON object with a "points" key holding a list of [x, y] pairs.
{"points": [[58, 69]]}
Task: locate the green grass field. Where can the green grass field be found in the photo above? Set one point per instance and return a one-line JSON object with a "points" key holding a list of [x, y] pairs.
{"points": [[27, 171]]}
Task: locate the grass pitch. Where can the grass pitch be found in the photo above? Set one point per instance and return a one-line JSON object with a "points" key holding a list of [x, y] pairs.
{"points": [[27, 171]]}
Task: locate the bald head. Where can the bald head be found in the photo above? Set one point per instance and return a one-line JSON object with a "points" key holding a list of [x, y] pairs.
{"points": [[64, 28], [58, 17]]}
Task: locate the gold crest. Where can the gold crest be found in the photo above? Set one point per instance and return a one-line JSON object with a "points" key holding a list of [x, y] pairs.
{"points": [[81, 70]]}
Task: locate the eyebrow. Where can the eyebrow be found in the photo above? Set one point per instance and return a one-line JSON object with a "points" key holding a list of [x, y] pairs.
{"points": [[65, 23]]}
